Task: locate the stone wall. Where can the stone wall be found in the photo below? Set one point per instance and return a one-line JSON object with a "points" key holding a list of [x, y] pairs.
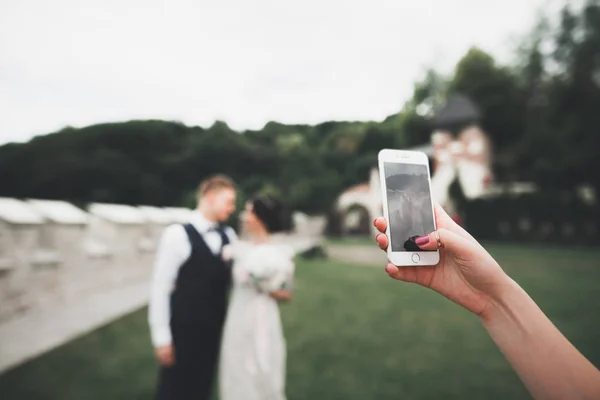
{"points": [[53, 263], [18, 269]]}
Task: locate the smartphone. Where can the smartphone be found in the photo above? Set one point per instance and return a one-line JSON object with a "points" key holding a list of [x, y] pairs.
{"points": [[407, 205]]}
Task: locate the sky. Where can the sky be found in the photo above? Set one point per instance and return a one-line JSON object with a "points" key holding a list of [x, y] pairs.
{"points": [[76, 63]]}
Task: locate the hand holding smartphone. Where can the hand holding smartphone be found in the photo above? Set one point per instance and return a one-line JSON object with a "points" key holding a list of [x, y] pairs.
{"points": [[407, 205]]}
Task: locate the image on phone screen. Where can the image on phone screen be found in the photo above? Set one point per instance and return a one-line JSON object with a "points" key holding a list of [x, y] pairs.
{"points": [[409, 204]]}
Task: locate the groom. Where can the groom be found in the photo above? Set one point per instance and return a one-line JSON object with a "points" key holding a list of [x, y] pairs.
{"points": [[188, 296]]}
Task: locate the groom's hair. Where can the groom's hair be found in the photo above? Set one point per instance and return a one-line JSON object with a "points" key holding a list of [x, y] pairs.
{"points": [[215, 182]]}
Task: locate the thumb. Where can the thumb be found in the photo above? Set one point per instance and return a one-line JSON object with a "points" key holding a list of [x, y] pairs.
{"points": [[448, 240]]}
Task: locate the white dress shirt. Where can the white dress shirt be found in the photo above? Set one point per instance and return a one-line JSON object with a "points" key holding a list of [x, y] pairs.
{"points": [[173, 250]]}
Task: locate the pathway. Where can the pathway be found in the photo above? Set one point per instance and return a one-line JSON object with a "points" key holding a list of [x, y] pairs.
{"points": [[33, 333], [357, 254]]}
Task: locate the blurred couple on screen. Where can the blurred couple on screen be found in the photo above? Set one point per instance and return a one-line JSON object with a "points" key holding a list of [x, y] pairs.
{"points": [[214, 300]]}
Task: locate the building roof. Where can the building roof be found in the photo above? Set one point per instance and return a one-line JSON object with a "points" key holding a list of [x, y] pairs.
{"points": [[458, 109], [156, 215], [179, 214], [18, 212], [59, 212], [363, 187], [117, 213]]}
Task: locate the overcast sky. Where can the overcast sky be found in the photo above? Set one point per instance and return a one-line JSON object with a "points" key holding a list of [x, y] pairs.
{"points": [[72, 62]]}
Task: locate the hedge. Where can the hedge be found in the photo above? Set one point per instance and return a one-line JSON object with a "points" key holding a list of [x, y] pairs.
{"points": [[539, 217]]}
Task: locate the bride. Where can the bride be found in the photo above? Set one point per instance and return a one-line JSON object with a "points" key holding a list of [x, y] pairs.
{"points": [[253, 353]]}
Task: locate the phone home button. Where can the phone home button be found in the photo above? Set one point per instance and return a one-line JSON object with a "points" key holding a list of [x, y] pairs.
{"points": [[416, 258]]}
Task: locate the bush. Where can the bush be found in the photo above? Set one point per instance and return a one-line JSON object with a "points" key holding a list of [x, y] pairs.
{"points": [[540, 217]]}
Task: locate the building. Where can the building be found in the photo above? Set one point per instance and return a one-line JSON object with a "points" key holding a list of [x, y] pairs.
{"points": [[459, 150], [359, 204]]}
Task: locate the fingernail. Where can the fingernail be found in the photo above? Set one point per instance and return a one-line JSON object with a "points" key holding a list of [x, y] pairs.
{"points": [[422, 240], [374, 221]]}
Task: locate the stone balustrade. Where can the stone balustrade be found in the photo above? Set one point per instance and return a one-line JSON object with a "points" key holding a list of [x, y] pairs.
{"points": [[52, 251]]}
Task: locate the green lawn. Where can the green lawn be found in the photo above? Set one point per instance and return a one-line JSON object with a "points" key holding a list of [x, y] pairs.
{"points": [[352, 241], [352, 334]]}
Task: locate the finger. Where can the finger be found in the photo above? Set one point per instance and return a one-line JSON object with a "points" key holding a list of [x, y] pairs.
{"points": [[443, 220], [382, 241], [381, 224], [449, 240], [405, 274]]}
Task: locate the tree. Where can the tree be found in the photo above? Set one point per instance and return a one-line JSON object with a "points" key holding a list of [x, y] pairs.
{"points": [[541, 113], [428, 94], [563, 130], [496, 92]]}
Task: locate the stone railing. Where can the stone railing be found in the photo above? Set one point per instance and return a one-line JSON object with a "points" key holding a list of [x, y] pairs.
{"points": [[54, 252], [51, 251]]}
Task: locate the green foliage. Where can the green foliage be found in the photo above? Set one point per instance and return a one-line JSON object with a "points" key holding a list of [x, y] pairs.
{"points": [[541, 113], [495, 90], [161, 163], [543, 217]]}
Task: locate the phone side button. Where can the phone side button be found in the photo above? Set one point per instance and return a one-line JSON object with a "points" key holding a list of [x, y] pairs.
{"points": [[416, 258]]}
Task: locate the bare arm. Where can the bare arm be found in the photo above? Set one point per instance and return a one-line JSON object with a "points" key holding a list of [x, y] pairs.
{"points": [[281, 295], [283, 280], [547, 363]]}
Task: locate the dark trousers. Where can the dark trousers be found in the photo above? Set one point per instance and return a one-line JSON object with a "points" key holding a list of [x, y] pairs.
{"points": [[196, 358]]}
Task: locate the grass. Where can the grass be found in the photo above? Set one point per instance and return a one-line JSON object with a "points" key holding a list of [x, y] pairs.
{"points": [[352, 241], [352, 334]]}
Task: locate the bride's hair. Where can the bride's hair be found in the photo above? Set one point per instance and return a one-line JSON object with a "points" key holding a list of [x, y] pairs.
{"points": [[270, 211]]}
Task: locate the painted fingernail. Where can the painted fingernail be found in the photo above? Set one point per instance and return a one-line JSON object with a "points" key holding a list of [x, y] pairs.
{"points": [[422, 240]]}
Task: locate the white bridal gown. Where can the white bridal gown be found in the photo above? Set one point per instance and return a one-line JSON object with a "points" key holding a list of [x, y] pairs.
{"points": [[253, 353]]}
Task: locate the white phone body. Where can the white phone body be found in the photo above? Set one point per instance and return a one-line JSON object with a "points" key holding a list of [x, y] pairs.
{"points": [[407, 205]]}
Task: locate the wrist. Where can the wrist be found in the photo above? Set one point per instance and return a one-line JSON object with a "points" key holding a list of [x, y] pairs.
{"points": [[504, 301]]}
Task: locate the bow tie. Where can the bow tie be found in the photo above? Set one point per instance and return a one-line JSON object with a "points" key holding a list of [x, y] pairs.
{"points": [[216, 228]]}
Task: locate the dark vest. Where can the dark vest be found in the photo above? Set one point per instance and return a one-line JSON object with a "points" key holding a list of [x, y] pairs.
{"points": [[201, 287]]}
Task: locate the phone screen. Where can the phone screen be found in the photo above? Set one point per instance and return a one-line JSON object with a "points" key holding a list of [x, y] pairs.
{"points": [[409, 204]]}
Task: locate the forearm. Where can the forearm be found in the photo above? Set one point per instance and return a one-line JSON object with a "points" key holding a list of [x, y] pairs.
{"points": [[281, 295], [547, 363]]}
